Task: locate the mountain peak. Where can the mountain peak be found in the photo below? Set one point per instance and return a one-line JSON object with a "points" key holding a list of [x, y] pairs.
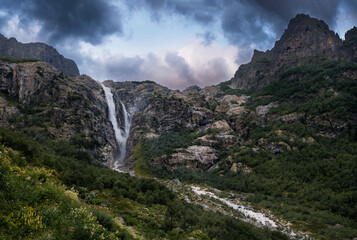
{"points": [[303, 20], [304, 40], [306, 32], [304, 24]]}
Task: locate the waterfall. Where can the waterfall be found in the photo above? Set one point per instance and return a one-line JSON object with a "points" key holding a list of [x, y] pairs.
{"points": [[121, 135]]}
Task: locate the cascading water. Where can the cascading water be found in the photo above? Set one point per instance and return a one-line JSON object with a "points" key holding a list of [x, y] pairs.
{"points": [[127, 123], [121, 135]]}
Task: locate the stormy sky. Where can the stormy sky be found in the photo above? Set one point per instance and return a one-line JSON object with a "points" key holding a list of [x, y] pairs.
{"points": [[176, 43]]}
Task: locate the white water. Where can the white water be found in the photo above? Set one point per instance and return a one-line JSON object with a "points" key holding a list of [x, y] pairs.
{"points": [[121, 135], [125, 133], [259, 217], [265, 220]]}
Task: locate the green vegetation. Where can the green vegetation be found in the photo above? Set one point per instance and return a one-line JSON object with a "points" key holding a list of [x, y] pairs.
{"points": [[55, 191], [165, 144], [230, 91], [145, 81], [35, 205], [313, 186], [18, 60], [311, 89]]}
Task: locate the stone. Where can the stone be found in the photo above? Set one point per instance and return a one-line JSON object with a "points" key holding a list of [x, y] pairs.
{"points": [[120, 219], [151, 135], [234, 168], [308, 140], [198, 117], [226, 139], [192, 90], [202, 157], [221, 126], [236, 111], [291, 118], [234, 99], [284, 145], [207, 140], [176, 181], [338, 226], [276, 150], [264, 109]]}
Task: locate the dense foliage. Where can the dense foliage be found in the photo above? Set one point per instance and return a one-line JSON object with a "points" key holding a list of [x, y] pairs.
{"points": [[312, 89], [54, 191]]}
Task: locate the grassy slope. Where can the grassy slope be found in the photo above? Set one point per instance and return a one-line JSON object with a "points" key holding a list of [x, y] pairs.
{"points": [[54, 191]]}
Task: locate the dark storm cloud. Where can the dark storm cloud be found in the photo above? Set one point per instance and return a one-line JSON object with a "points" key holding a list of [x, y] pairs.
{"points": [[248, 23], [201, 11], [244, 22], [88, 20], [257, 19], [203, 18]]}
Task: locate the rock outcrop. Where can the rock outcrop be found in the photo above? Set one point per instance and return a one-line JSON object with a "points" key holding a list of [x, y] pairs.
{"points": [[202, 157], [14, 49]]}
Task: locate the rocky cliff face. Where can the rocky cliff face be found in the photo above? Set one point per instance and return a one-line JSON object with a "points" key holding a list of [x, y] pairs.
{"points": [[14, 49], [39, 99], [350, 44], [305, 41]]}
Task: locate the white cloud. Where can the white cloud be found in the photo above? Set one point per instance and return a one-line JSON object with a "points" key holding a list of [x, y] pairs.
{"points": [[13, 28], [211, 63], [193, 64]]}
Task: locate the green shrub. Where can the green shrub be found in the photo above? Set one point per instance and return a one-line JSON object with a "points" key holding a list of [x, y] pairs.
{"points": [[18, 60]]}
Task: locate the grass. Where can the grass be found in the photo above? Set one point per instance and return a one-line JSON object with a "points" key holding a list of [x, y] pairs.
{"points": [[19, 60], [141, 167]]}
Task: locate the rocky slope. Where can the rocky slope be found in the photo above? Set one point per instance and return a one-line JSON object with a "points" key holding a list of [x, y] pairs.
{"points": [[39, 99], [305, 41], [14, 49]]}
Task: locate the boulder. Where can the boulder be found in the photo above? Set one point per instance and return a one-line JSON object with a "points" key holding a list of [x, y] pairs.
{"points": [[221, 126], [264, 109], [236, 110], [202, 157], [235, 166]]}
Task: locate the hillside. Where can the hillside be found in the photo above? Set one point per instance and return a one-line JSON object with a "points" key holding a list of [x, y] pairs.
{"points": [[282, 146]]}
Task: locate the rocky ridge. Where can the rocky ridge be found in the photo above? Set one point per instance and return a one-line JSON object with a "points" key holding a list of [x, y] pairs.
{"points": [[306, 41], [14, 49]]}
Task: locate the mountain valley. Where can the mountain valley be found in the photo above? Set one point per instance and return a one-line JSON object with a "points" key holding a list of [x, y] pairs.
{"points": [[278, 140]]}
